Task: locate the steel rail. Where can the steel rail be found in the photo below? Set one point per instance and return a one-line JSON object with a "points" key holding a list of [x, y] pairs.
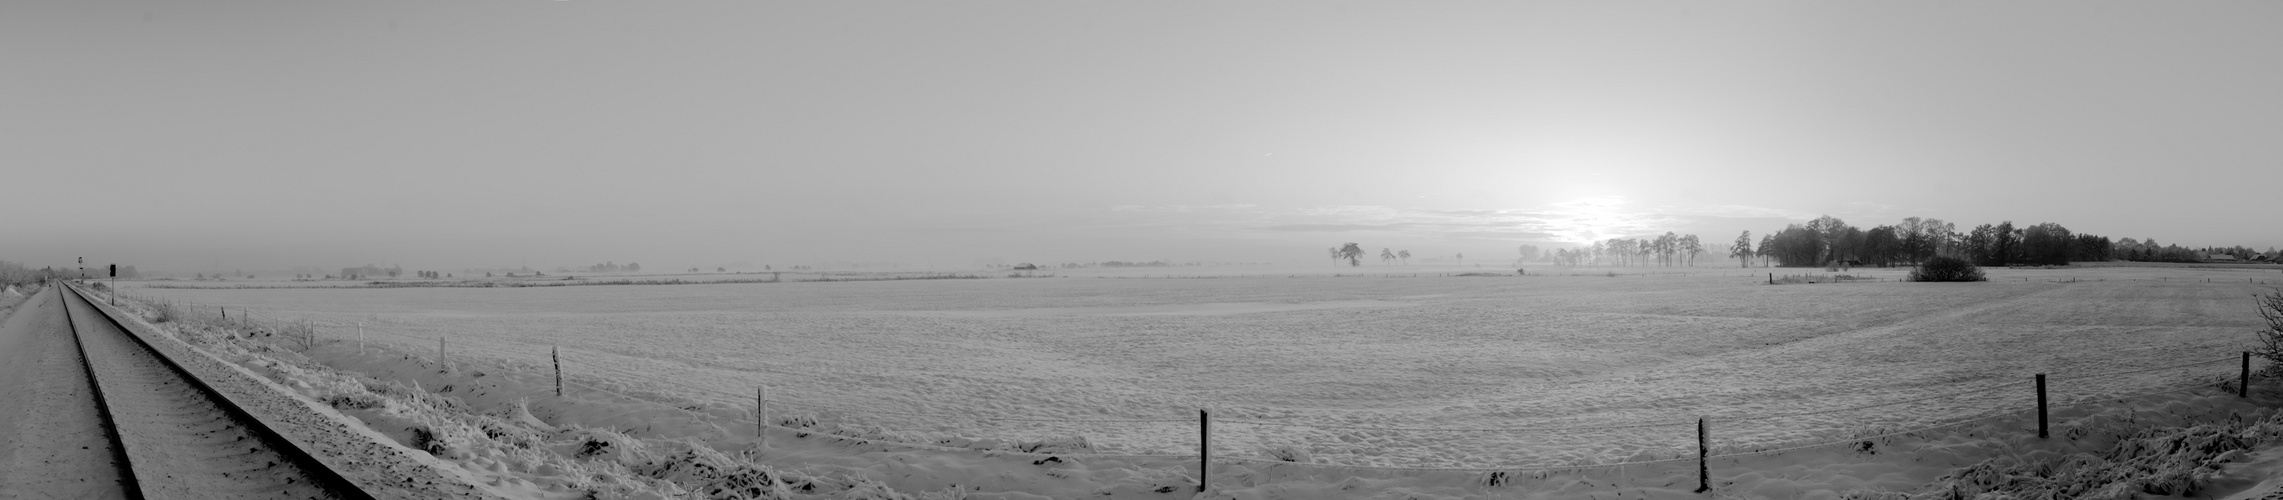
{"points": [[332, 481], [119, 456]]}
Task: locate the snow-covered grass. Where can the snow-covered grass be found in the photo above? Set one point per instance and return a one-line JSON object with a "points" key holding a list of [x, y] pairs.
{"points": [[1531, 352]]}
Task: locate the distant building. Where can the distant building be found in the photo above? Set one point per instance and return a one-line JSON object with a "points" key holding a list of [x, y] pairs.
{"points": [[2221, 257]]}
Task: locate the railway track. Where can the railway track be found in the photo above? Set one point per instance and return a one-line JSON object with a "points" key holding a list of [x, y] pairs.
{"points": [[176, 437]]}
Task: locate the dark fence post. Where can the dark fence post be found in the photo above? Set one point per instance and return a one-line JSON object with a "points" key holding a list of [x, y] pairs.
{"points": [[2243, 382], [2041, 406], [1204, 448], [1703, 454], [556, 353]]}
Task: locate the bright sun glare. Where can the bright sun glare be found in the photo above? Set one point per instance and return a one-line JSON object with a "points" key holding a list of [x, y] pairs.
{"points": [[1589, 219]]}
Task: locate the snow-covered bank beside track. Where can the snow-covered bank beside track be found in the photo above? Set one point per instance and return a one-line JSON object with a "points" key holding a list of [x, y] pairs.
{"points": [[373, 465], [178, 439]]}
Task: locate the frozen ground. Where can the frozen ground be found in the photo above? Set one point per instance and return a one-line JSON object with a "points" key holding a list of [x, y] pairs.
{"points": [[1529, 358]]}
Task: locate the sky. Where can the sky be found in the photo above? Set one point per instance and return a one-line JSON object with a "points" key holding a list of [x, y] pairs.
{"points": [[196, 136]]}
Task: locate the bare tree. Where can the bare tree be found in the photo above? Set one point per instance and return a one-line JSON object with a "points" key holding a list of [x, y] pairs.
{"points": [[1767, 248], [1353, 253], [1666, 246], [1386, 255], [1404, 255], [1691, 246], [2270, 308], [1743, 249]]}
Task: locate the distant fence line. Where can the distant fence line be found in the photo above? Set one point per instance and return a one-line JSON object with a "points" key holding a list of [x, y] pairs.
{"points": [[249, 319]]}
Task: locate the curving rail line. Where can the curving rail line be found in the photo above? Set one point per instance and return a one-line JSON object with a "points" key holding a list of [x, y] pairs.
{"points": [[177, 437]]}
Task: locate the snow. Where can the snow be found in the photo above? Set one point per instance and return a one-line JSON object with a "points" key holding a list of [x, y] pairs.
{"points": [[1514, 354]]}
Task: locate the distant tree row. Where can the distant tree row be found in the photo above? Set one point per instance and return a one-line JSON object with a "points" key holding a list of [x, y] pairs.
{"points": [[2150, 251], [1353, 253], [1669, 249], [608, 267], [1070, 265], [12, 273], [1829, 241], [370, 271]]}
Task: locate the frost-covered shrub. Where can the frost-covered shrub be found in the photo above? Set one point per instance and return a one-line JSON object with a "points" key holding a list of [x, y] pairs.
{"points": [[867, 489], [716, 475], [2270, 308], [161, 312], [603, 445], [2172, 461], [506, 432], [801, 421], [1055, 444], [356, 401], [1947, 269], [1289, 453]]}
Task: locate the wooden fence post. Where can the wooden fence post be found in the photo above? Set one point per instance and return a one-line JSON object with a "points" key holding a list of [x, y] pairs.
{"points": [[1703, 457], [360, 338], [1204, 448], [2041, 406], [2243, 382], [439, 350], [761, 414], [556, 353]]}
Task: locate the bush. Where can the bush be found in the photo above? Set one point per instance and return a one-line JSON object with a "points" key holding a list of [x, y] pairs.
{"points": [[2271, 338], [1947, 269]]}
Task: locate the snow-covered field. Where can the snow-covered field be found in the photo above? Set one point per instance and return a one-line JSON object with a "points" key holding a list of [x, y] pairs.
{"points": [[1374, 371]]}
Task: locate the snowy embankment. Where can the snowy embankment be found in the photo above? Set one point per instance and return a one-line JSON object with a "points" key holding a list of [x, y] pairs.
{"points": [[1809, 382]]}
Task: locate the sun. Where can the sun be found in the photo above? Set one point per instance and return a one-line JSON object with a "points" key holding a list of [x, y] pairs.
{"points": [[1589, 219]]}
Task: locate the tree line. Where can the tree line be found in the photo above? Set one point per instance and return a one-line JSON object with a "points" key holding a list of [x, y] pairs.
{"points": [[2150, 251], [1828, 241], [608, 267], [1669, 249], [13, 273], [1353, 254], [370, 271]]}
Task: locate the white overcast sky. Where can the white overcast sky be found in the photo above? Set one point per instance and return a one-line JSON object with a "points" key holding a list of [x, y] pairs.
{"points": [[184, 136]]}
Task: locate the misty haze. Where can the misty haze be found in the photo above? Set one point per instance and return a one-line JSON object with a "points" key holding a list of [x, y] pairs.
{"points": [[956, 250]]}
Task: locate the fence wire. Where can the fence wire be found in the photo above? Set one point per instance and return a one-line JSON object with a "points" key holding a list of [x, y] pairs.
{"points": [[2146, 370], [1890, 403], [908, 444]]}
